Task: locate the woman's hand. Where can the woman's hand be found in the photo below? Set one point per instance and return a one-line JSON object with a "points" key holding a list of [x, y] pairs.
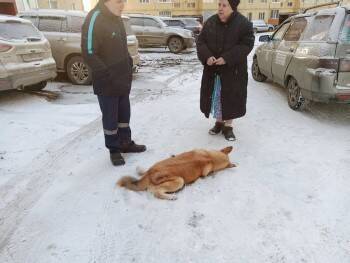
{"points": [[220, 61], [211, 61]]}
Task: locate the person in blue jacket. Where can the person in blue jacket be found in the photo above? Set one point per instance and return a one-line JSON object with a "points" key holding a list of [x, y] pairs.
{"points": [[104, 48]]}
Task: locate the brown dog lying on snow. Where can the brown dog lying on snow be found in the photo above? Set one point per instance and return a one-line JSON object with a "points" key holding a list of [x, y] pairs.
{"points": [[170, 175]]}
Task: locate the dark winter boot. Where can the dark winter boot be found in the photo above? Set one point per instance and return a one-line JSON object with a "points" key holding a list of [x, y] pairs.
{"points": [[227, 131], [132, 147], [217, 128], [117, 159]]}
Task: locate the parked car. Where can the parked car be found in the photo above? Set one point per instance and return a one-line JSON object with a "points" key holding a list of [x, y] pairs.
{"points": [[63, 30], [151, 31], [184, 22], [25, 56], [260, 26], [309, 54]]}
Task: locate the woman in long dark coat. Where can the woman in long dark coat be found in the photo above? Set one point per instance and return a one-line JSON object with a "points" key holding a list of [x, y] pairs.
{"points": [[223, 46]]}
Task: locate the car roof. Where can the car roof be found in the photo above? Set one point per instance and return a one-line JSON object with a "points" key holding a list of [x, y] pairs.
{"points": [[53, 12], [5, 18]]}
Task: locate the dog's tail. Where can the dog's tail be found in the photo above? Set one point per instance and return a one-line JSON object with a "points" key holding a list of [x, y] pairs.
{"points": [[133, 184]]}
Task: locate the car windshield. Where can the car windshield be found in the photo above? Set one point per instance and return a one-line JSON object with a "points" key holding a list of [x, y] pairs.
{"points": [[127, 26], [13, 30], [345, 33]]}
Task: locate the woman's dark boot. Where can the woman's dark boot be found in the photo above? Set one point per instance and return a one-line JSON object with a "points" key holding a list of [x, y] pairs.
{"points": [[217, 128], [227, 131]]}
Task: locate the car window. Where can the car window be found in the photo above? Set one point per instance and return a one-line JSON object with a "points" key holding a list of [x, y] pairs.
{"points": [[317, 29], [280, 32], [76, 23], [345, 33], [127, 26], [191, 22], [33, 19], [14, 30], [136, 21], [50, 24], [174, 23], [295, 30], [150, 22]]}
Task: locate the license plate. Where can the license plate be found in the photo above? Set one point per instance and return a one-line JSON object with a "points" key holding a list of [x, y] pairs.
{"points": [[32, 57]]}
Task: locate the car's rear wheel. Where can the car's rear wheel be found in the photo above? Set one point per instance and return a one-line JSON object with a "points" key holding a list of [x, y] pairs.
{"points": [[78, 72], [295, 98], [256, 72], [37, 86], [175, 44]]}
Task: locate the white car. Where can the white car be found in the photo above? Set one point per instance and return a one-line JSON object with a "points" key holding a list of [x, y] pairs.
{"points": [[260, 26], [25, 55]]}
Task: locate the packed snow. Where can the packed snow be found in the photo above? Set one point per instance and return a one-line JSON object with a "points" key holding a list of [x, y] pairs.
{"points": [[287, 201]]}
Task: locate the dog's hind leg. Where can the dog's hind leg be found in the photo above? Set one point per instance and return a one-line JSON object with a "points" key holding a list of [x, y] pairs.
{"points": [[161, 191]]}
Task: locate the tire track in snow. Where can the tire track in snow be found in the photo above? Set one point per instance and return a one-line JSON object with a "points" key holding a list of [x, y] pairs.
{"points": [[24, 190]]}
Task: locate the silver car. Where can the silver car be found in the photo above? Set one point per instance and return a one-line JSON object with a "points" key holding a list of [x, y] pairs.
{"points": [[309, 54], [25, 55], [63, 30], [151, 31]]}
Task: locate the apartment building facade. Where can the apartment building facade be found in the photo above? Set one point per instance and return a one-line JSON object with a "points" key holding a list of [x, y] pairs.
{"points": [[267, 10], [50, 4]]}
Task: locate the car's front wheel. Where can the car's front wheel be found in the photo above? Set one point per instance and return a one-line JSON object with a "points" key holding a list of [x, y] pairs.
{"points": [[256, 72], [37, 86], [78, 72], [295, 98], [175, 44]]}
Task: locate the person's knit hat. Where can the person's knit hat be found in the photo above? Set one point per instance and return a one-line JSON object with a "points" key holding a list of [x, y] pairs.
{"points": [[234, 4]]}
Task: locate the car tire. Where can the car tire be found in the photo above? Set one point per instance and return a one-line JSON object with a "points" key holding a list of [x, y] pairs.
{"points": [[256, 72], [36, 87], [78, 71], [176, 44], [295, 98]]}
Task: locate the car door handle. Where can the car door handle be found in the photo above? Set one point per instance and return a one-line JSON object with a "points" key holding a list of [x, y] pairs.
{"points": [[62, 39], [291, 49]]}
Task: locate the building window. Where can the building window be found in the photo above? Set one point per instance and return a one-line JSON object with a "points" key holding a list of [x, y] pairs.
{"points": [[263, 1], [176, 5], [191, 5], [53, 4], [262, 16], [275, 1], [249, 16], [164, 1], [144, 1], [165, 13], [73, 6], [290, 4], [250, 1], [274, 13]]}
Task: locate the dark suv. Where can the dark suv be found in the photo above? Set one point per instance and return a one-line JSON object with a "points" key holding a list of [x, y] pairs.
{"points": [[309, 54]]}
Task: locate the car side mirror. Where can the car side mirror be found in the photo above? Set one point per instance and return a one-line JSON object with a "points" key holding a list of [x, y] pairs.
{"points": [[264, 38]]}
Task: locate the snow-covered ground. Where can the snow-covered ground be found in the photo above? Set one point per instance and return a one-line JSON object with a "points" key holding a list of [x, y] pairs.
{"points": [[287, 201]]}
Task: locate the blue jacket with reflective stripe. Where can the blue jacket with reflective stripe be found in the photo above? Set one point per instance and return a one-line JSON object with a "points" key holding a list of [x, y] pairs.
{"points": [[105, 50]]}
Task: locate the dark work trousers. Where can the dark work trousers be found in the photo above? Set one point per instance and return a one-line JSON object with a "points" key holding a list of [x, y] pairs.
{"points": [[115, 120]]}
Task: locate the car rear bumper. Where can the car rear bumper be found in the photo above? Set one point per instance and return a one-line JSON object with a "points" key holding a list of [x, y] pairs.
{"points": [[324, 87], [16, 76]]}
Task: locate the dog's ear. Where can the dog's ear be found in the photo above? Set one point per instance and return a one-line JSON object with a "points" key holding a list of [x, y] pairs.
{"points": [[227, 150]]}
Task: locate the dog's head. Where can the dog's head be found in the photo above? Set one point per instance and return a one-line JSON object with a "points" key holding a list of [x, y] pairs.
{"points": [[221, 159]]}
